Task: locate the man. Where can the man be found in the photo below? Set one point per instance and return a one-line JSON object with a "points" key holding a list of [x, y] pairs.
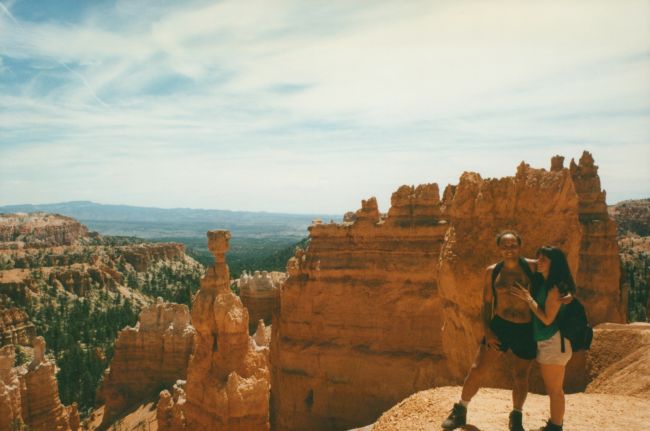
{"points": [[507, 325]]}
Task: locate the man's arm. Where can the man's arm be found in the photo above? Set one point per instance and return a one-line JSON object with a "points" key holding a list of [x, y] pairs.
{"points": [[486, 311]]}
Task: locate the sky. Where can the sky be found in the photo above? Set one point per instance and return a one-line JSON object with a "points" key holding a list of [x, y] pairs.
{"points": [[311, 106]]}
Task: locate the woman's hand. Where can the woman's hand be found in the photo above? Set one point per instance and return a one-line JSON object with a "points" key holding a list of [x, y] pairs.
{"points": [[521, 292]]}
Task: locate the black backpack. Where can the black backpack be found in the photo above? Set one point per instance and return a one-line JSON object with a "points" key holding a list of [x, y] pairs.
{"points": [[574, 326]]}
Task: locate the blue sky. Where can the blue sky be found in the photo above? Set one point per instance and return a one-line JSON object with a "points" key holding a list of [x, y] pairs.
{"points": [[308, 107]]}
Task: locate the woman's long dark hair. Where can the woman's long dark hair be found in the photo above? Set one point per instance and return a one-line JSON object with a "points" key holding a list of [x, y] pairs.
{"points": [[559, 274]]}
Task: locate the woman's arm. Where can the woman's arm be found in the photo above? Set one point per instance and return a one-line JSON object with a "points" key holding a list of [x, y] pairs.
{"points": [[551, 307]]}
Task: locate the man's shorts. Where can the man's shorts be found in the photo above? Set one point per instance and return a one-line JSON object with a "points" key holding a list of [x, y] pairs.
{"points": [[517, 337]]}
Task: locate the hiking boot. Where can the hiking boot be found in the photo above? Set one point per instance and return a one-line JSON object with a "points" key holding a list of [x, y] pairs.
{"points": [[550, 426], [515, 422], [456, 419]]}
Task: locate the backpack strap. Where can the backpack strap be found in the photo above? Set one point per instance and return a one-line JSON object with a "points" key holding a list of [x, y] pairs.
{"points": [[495, 273], [526, 268], [562, 342]]}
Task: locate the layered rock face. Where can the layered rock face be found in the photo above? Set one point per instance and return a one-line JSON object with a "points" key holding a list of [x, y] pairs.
{"points": [[360, 318], [141, 256], [633, 219], [30, 395], [10, 408], [260, 293], [560, 207], [228, 376], [16, 328], [40, 229], [154, 353], [380, 307]]}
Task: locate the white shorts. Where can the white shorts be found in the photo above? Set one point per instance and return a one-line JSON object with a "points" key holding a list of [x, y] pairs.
{"points": [[549, 351]]}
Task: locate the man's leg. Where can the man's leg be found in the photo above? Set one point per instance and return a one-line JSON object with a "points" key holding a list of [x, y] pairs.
{"points": [[482, 364], [484, 359], [521, 371]]}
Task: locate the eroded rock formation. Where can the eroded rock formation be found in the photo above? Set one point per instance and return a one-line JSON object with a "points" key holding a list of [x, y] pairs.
{"points": [[359, 325], [260, 293], [152, 354], [15, 327], [380, 307], [10, 412], [40, 229], [29, 394], [228, 376], [563, 207]]}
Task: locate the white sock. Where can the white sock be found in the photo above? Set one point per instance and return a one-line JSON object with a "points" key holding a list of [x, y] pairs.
{"points": [[463, 403]]}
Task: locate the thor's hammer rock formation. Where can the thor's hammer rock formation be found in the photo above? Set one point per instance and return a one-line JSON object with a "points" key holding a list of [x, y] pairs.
{"points": [[228, 376]]}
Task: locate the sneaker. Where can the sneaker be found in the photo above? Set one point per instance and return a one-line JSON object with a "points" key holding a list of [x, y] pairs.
{"points": [[515, 422], [456, 419], [550, 426]]}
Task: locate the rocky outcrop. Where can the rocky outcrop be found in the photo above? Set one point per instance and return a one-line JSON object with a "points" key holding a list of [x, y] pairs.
{"points": [[170, 413], [360, 315], [30, 396], [632, 217], [619, 360], [10, 408], [635, 275], [15, 327], [260, 293], [562, 207], [380, 307], [141, 256], [228, 376], [40, 229], [152, 354]]}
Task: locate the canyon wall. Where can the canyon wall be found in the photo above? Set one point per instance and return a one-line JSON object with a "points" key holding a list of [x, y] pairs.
{"points": [[29, 394], [380, 307], [152, 354], [561, 207], [260, 293], [228, 376], [40, 229], [360, 315], [16, 328]]}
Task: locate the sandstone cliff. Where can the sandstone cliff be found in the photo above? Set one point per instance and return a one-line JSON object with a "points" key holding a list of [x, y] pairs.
{"points": [[562, 207], [40, 230], [633, 219], [380, 307], [16, 328], [30, 396], [260, 293], [154, 353], [228, 376]]}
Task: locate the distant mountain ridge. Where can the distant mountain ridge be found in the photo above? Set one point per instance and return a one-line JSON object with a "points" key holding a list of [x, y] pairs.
{"points": [[151, 222]]}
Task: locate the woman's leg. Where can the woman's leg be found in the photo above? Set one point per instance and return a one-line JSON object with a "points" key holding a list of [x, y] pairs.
{"points": [[553, 376]]}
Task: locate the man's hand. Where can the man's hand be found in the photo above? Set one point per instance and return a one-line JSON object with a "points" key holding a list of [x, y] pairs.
{"points": [[491, 341]]}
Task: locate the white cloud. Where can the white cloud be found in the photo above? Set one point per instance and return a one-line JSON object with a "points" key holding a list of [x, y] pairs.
{"points": [[338, 100]]}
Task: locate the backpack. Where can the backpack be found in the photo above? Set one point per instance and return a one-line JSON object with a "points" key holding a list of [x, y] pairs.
{"points": [[497, 269], [574, 326]]}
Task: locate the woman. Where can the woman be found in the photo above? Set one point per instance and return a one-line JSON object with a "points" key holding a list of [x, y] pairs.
{"points": [[545, 304]]}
